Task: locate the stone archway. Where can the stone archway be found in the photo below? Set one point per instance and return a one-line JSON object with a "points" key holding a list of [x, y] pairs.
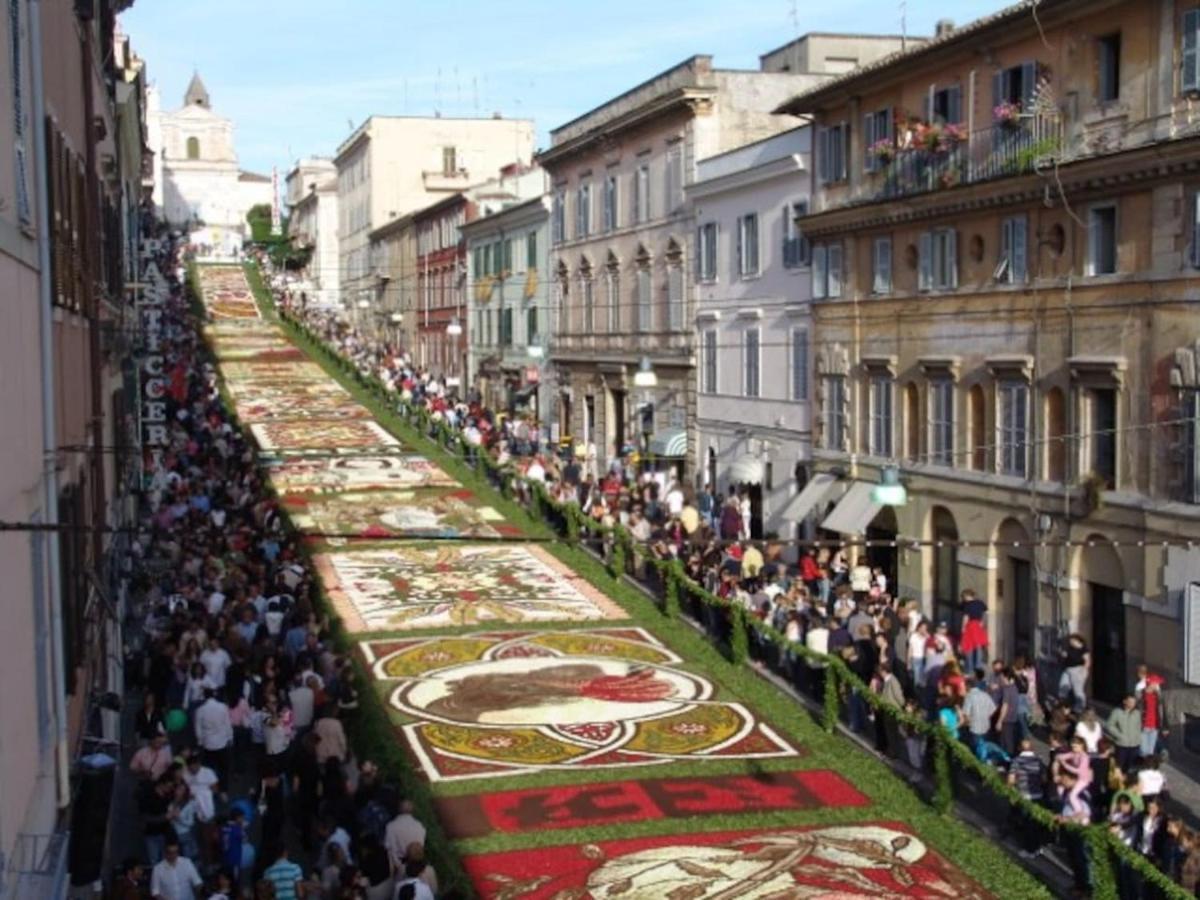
{"points": [[1013, 626]]}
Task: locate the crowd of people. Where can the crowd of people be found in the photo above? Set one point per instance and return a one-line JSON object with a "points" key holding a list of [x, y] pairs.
{"points": [[246, 784], [1050, 743]]}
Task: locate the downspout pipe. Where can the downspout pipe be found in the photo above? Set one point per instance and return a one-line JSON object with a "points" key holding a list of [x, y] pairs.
{"points": [[49, 412]]}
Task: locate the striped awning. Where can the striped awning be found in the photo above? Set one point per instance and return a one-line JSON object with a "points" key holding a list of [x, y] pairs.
{"points": [[746, 469], [671, 442], [854, 511]]}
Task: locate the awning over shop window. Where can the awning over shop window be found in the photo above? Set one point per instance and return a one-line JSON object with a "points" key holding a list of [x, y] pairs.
{"points": [[672, 442], [746, 469], [854, 511], [819, 489]]}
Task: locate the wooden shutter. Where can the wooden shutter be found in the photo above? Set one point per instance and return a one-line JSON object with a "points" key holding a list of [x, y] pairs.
{"points": [[675, 297], [819, 274], [925, 261], [1028, 84], [1017, 251], [868, 141], [952, 252], [882, 265], [738, 248], [1190, 76], [954, 104]]}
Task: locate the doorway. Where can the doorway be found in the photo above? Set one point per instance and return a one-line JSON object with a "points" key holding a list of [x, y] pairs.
{"points": [[1108, 643], [945, 569], [618, 422], [883, 528], [1024, 623]]}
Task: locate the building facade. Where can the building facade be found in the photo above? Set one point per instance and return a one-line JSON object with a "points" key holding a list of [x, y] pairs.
{"points": [[1005, 235], [393, 260], [391, 166], [70, 170], [507, 272], [752, 324], [441, 264], [202, 187], [621, 236], [311, 197]]}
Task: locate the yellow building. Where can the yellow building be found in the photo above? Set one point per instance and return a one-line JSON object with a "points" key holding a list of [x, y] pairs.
{"points": [[1005, 250]]}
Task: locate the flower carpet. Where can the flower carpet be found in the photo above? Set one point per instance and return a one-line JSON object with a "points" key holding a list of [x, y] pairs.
{"points": [[420, 513], [226, 292], [565, 740]]}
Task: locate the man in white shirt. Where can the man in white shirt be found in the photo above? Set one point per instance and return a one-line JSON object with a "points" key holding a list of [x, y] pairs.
{"points": [[216, 661], [300, 698], [214, 732], [403, 830], [174, 878], [202, 782]]}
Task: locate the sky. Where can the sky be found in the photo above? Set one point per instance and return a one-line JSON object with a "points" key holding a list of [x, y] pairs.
{"points": [[296, 76]]}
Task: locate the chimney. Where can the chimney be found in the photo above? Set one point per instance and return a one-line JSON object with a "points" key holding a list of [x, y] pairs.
{"points": [[943, 28]]}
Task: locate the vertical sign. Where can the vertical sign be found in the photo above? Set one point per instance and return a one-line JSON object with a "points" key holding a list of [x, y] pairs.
{"points": [[151, 375]]}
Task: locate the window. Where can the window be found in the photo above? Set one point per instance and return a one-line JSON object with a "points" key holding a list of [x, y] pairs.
{"points": [[881, 265], [938, 258], [675, 297], [610, 203], [612, 299], [799, 363], [1108, 59], [832, 145], [709, 369], [531, 251], [706, 252], [583, 210], [449, 161], [193, 148], [644, 299], [1190, 414], [1015, 85], [947, 105], [506, 260], [747, 245], [674, 180], [1011, 268], [1194, 245], [1102, 434], [20, 159], [941, 422], [826, 271], [1189, 80], [487, 260], [834, 412], [641, 194], [559, 217], [477, 263], [1013, 427], [877, 128], [752, 359], [795, 244], [506, 327], [587, 288], [881, 415], [531, 325], [1102, 240]]}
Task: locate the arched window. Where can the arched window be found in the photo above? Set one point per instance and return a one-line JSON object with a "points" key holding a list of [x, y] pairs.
{"points": [[587, 294], [644, 307], [612, 290], [675, 299], [193, 148]]}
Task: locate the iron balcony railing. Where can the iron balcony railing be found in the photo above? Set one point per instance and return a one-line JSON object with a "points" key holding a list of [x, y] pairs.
{"points": [[1001, 151]]}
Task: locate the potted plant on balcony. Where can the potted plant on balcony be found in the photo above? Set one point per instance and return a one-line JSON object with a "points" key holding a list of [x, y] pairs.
{"points": [[1007, 115], [883, 151], [939, 137]]}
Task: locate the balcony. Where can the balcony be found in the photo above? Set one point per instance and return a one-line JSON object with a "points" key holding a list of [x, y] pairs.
{"points": [[631, 345], [446, 180], [941, 158]]}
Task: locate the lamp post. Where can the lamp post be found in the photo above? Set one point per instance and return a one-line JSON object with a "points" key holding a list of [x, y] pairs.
{"points": [[646, 379], [889, 491]]}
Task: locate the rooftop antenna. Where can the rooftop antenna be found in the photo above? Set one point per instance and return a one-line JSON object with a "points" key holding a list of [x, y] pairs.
{"points": [[437, 93], [796, 41], [903, 25]]}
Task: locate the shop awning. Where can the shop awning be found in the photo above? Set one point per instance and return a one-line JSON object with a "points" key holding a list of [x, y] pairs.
{"points": [[854, 511], [746, 469], [819, 488], [671, 442]]}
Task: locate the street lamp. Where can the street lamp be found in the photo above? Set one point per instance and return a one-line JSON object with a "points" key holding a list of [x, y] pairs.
{"points": [[645, 376], [454, 329], [889, 491]]}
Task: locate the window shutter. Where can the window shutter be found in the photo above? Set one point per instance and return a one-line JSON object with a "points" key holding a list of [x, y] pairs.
{"points": [[997, 89], [1017, 257], [954, 104], [738, 249], [883, 265], [799, 210], [844, 151], [925, 261], [675, 297], [834, 265], [700, 253], [952, 251], [819, 259], [823, 155], [1196, 230], [868, 141], [1190, 80], [926, 105], [1028, 84], [799, 364]]}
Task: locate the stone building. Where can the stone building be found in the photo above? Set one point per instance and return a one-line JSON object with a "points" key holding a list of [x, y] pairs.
{"points": [[311, 197], [1005, 237]]}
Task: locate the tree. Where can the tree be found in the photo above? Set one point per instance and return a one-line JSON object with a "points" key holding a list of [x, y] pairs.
{"points": [[277, 246]]}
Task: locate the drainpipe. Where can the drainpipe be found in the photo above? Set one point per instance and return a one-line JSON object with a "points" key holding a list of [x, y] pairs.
{"points": [[49, 422]]}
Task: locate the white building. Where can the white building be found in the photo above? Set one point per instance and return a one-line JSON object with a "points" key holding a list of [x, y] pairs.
{"points": [[752, 318], [198, 184], [508, 252], [394, 165], [311, 196]]}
